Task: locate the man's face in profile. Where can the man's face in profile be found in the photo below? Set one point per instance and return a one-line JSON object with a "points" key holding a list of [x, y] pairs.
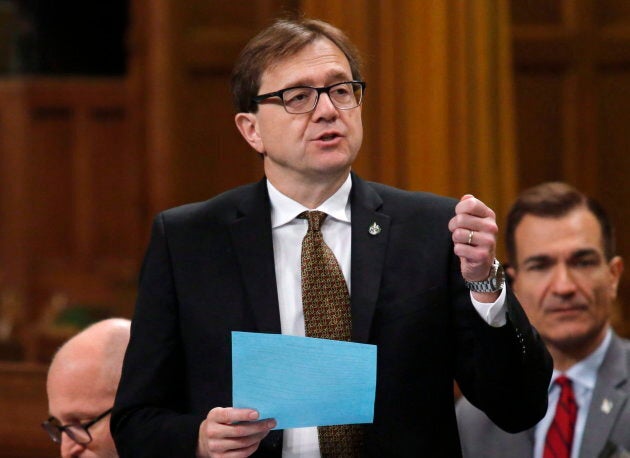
{"points": [[76, 394], [563, 280]]}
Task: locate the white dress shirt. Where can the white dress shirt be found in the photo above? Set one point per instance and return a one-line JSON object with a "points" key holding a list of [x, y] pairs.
{"points": [[583, 375], [288, 232]]}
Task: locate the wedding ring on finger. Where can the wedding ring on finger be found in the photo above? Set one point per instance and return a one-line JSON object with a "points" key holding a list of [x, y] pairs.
{"points": [[470, 237]]}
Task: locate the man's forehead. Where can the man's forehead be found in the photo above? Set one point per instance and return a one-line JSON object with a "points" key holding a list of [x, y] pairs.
{"points": [[575, 233], [579, 222], [68, 406], [321, 59]]}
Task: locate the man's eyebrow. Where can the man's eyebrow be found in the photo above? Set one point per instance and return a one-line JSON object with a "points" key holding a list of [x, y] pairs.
{"points": [[584, 252], [537, 258], [332, 76], [542, 258], [74, 416]]}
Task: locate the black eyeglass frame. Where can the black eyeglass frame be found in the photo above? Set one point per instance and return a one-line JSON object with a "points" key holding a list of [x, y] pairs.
{"points": [[49, 426], [325, 89]]}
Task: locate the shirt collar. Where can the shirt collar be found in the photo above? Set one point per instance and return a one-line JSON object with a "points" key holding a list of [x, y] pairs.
{"points": [[585, 372], [284, 209]]}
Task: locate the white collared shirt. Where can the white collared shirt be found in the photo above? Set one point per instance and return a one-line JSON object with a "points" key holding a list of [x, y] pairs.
{"points": [[584, 376], [288, 232]]}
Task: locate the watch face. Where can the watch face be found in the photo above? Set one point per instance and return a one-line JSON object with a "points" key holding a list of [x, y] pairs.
{"points": [[499, 278]]}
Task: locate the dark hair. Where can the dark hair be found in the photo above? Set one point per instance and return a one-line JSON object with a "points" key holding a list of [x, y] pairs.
{"points": [[284, 38], [555, 200]]}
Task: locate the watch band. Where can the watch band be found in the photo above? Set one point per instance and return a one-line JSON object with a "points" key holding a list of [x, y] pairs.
{"points": [[495, 281]]}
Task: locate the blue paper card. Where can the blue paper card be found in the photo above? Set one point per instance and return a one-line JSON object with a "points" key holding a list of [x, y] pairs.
{"points": [[303, 381]]}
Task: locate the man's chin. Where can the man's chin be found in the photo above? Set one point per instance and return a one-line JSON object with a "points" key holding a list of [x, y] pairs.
{"points": [[572, 337]]}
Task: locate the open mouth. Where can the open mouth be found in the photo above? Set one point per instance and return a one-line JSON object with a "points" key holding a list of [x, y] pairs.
{"points": [[328, 136]]}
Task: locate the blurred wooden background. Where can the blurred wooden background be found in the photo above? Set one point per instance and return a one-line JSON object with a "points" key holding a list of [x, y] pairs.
{"points": [[483, 96]]}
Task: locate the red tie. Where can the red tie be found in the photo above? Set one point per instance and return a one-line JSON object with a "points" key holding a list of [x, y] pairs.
{"points": [[560, 435]]}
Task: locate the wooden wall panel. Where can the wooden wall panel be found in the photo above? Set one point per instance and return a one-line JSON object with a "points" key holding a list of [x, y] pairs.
{"points": [[14, 250], [611, 12], [73, 200], [539, 115], [51, 201], [537, 12], [215, 157], [24, 407], [115, 178]]}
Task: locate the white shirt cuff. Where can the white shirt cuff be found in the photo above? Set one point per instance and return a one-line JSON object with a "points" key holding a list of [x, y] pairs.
{"points": [[493, 313]]}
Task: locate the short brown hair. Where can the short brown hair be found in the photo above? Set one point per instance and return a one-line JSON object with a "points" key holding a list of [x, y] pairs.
{"points": [[555, 200], [284, 38]]}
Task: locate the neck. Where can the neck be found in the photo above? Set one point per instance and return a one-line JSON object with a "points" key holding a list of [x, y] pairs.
{"points": [[310, 193], [567, 355]]}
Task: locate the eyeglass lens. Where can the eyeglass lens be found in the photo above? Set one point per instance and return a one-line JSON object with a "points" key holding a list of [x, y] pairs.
{"points": [[76, 432], [304, 99]]}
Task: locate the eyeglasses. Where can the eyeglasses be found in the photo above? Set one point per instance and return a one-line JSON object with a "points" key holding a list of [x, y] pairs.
{"points": [[303, 99], [78, 432]]}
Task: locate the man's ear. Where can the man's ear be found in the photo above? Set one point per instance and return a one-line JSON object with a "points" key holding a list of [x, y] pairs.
{"points": [[616, 269], [247, 125]]}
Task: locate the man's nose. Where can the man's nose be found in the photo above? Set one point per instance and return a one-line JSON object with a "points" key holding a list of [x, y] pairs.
{"points": [[70, 448], [325, 108], [563, 283]]}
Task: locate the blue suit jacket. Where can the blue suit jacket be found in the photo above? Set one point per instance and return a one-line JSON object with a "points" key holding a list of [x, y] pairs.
{"points": [[209, 270]]}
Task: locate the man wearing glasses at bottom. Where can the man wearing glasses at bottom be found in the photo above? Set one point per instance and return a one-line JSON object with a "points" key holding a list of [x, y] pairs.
{"points": [[81, 385]]}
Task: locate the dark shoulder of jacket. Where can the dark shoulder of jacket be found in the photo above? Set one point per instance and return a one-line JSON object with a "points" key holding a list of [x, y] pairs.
{"points": [[392, 197], [219, 207]]}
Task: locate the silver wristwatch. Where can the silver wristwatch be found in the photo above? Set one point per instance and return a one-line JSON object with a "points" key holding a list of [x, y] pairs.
{"points": [[495, 282]]}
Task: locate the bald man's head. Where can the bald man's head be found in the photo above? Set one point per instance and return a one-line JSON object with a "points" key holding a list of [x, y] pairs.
{"points": [[82, 381]]}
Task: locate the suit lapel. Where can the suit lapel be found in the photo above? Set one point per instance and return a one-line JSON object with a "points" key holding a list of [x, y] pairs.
{"points": [[253, 244], [608, 400], [368, 255]]}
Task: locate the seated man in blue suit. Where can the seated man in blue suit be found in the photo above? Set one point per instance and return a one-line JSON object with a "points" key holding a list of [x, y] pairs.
{"points": [[414, 274], [565, 272]]}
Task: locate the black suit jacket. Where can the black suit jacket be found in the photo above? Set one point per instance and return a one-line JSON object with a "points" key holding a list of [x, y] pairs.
{"points": [[209, 270]]}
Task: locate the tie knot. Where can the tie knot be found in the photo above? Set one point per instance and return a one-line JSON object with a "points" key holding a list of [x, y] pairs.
{"points": [[563, 381], [315, 219]]}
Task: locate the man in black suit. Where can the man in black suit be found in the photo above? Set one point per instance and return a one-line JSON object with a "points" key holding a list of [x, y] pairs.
{"points": [[425, 286]]}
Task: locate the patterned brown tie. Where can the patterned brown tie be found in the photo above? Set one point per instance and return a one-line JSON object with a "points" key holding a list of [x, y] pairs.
{"points": [[326, 304]]}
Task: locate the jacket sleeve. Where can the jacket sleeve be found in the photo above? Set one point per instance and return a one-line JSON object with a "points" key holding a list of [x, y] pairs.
{"points": [[503, 371]]}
